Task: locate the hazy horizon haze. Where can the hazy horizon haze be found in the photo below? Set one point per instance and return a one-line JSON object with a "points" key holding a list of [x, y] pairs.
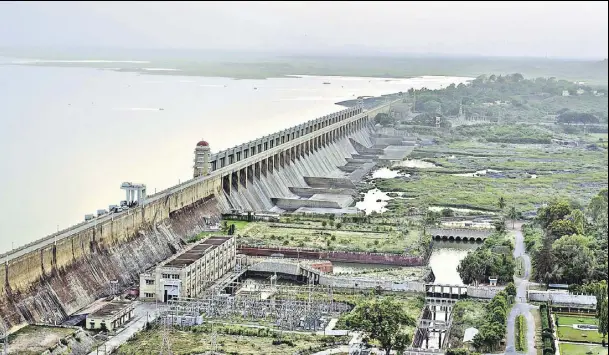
{"points": [[567, 30]]}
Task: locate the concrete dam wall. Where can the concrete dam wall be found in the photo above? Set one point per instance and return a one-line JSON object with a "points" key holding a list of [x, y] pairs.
{"points": [[46, 280], [47, 286], [277, 189]]}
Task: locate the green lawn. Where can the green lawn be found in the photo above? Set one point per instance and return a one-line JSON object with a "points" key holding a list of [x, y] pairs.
{"points": [[577, 349], [570, 320], [585, 336], [388, 240], [199, 341]]}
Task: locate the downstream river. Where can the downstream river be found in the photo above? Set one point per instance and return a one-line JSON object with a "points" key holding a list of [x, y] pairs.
{"points": [[70, 136]]}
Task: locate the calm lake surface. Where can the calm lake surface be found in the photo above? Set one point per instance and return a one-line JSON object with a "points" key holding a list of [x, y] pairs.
{"points": [[70, 136]]}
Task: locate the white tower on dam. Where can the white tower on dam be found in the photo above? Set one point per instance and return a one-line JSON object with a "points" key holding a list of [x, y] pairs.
{"points": [[202, 161], [131, 190]]}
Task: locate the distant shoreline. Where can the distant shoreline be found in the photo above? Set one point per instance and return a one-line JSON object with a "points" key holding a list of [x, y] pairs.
{"points": [[390, 68]]}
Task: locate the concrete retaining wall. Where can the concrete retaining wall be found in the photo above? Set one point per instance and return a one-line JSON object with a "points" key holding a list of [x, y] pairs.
{"points": [[292, 204], [329, 183], [308, 191], [47, 291], [344, 256], [483, 292]]}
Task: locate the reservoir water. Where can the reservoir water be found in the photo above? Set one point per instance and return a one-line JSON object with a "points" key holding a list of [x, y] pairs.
{"points": [[445, 258], [70, 136]]}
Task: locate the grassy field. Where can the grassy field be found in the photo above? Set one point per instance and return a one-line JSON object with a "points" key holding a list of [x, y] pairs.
{"points": [[574, 172], [198, 340], [466, 314], [569, 333], [577, 349], [371, 238], [570, 320]]}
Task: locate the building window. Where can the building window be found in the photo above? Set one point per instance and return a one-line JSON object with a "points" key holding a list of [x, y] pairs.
{"points": [[148, 295], [171, 276], [149, 282]]}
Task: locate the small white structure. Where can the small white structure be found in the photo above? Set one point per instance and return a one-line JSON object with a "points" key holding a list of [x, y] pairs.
{"points": [[565, 93], [469, 334], [492, 281], [130, 192]]}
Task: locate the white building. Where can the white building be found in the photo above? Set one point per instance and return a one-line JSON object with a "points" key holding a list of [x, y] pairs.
{"points": [[191, 271], [112, 315], [469, 335]]}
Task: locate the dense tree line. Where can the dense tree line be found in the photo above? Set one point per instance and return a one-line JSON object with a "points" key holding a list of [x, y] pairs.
{"points": [[569, 242], [493, 258], [493, 330], [571, 117], [511, 97]]}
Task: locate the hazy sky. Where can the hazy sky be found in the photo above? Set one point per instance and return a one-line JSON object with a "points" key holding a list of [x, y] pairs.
{"points": [[554, 29]]}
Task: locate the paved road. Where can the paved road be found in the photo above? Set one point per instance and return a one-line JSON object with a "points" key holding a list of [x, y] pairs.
{"points": [[521, 306], [143, 312]]}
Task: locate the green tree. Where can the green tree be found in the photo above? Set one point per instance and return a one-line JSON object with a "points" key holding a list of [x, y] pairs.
{"points": [[513, 215], [597, 209], [602, 320], [499, 226], [501, 203], [383, 320], [510, 289], [543, 262], [555, 211], [573, 258], [578, 219], [561, 228]]}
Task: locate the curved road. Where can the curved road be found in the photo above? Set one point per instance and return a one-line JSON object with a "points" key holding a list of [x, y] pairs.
{"points": [[521, 306]]}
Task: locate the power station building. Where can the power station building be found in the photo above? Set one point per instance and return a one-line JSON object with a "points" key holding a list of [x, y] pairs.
{"points": [[191, 271]]}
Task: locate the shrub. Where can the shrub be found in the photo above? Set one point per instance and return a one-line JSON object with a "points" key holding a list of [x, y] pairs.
{"points": [[520, 333]]}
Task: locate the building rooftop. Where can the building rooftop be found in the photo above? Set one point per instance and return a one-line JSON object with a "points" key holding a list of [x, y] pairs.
{"points": [[195, 252], [110, 309], [469, 334]]}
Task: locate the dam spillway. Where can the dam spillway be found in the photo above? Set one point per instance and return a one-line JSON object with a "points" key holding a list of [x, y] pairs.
{"points": [[313, 165]]}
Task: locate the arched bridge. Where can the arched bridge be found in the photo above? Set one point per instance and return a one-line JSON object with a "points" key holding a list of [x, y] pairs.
{"points": [[466, 235]]}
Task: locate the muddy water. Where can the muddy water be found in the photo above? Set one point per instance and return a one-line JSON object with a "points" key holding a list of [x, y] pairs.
{"points": [[375, 200], [445, 258], [386, 173], [415, 163]]}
